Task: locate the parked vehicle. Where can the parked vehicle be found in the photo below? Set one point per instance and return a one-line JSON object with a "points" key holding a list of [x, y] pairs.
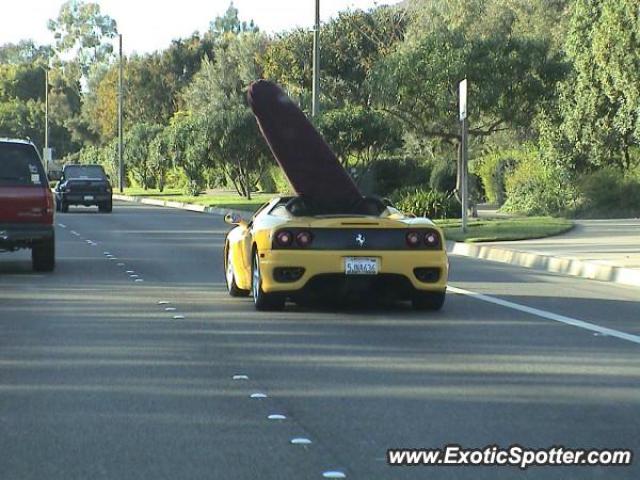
{"points": [[84, 185], [26, 204]]}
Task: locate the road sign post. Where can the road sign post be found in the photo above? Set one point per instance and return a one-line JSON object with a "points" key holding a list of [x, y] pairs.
{"points": [[462, 165]]}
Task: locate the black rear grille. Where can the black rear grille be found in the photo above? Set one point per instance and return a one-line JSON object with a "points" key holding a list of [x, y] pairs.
{"points": [[363, 239]]}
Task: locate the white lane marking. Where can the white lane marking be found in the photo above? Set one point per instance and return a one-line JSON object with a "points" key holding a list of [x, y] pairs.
{"points": [[178, 317], [170, 309], [138, 280], [258, 395], [106, 254], [334, 474], [163, 302], [276, 416], [240, 377], [134, 275], [549, 315], [73, 232], [62, 225], [121, 264], [131, 271], [300, 441]]}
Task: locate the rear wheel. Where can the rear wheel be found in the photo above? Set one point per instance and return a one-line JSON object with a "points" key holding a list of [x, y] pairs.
{"points": [[105, 207], [428, 300], [263, 301], [43, 255], [232, 288]]}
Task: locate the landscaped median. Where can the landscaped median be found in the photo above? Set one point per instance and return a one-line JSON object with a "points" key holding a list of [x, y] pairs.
{"points": [[478, 230], [504, 229]]}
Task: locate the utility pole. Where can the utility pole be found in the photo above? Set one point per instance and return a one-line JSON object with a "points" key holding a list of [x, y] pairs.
{"points": [[462, 167], [120, 94], [47, 154], [315, 106]]}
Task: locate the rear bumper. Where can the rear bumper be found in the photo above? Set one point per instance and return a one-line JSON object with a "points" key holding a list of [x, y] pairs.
{"points": [[81, 198], [324, 270], [13, 237]]}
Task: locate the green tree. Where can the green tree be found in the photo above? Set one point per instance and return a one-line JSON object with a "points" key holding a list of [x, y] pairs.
{"points": [[510, 77], [160, 157], [238, 148], [136, 153], [230, 23], [359, 135], [599, 103], [81, 29], [189, 149]]}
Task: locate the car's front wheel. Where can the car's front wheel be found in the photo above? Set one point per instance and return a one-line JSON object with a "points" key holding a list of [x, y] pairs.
{"points": [[261, 299], [232, 287], [428, 300], [43, 255]]}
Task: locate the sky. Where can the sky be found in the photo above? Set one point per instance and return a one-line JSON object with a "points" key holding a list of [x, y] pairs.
{"points": [[149, 25]]}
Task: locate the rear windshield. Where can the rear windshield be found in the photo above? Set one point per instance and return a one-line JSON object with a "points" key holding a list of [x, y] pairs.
{"points": [[83, 171], [20, 165]]}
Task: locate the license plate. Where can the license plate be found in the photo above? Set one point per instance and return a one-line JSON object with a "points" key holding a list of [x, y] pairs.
{"points": [[360, 266], [88, 197]]}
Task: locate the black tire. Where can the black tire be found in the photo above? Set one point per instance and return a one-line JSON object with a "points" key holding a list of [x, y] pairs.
{"points": [[263, 301], [230, 278], [428, 300], [106, 207], [43, 255]]}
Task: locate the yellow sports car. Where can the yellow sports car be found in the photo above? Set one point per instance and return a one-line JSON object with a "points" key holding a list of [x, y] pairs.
{"points": [[288, 251]]}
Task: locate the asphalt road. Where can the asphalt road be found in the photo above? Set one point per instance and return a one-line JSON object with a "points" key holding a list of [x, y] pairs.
{"points": [[99, 381]]}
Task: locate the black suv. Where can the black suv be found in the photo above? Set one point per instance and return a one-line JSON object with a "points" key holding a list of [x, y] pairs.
{"points": [[84, 185]]}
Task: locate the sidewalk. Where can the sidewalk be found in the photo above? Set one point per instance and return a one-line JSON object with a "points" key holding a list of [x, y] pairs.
{"points": [[607, 250]]}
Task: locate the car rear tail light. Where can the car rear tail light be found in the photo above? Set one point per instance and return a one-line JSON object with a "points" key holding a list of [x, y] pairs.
{"points": [[431, 239], [413, 239], [304, 239], [284, 238]]}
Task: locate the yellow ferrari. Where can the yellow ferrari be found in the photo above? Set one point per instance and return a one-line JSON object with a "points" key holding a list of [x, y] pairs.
{"points": [[288, 251]]}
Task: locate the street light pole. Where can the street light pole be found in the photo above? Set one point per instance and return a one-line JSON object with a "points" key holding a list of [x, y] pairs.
{"points": [[46, 109], [315, 106], [120, 161]]}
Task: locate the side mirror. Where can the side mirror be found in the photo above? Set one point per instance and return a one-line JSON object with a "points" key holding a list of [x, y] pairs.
{"points": [[234, 219]]}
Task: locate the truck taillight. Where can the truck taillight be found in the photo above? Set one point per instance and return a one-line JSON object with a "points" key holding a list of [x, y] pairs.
{"points": [[49, 208]]}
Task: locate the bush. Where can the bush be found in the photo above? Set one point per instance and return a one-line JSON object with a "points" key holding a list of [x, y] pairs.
{"points": [[443, 176], [393, 173], [534, 187], [492, 169], [280, 180], [426, 203], [608, 193]]}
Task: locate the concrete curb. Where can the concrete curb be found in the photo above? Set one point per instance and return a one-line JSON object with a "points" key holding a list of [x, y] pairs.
{"points": [[182, 206], [537, 261], [550, 263]]}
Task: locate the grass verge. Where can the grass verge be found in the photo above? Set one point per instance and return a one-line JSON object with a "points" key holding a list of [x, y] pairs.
{"points": [[504, 229], [229, 200], [479, 230]]}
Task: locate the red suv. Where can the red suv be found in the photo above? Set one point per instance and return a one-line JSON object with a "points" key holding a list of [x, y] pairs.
{"points": [[26, 204]]}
